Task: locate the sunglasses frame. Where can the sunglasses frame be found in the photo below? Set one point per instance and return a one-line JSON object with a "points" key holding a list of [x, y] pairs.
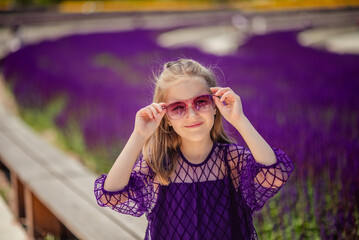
{"points": [[191, 100]]}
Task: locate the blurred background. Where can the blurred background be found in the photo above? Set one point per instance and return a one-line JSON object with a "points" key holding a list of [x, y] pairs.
{"points": [[78, 71]]}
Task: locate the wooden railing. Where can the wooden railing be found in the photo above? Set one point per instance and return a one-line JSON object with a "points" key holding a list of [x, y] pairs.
{"points": [[53, 193]]}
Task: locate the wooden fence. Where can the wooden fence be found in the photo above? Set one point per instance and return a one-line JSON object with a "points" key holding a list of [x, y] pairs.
{"points": [[53, 193]]}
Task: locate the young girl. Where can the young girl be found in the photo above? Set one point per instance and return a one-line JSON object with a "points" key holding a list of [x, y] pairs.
{"points": [[191, 180]]}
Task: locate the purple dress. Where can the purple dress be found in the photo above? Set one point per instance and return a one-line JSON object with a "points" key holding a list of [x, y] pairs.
{"points": [[211, 200]]}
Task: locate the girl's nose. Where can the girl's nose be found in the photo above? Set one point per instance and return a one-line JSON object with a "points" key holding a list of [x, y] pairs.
{"points": [[191, 112]]}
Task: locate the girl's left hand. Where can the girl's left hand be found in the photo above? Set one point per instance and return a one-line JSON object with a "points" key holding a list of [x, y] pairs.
{"points": [[228, 103]]}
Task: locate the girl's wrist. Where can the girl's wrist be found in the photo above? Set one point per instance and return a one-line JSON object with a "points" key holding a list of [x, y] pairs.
{"points": [[139, 138], [240, 123]]}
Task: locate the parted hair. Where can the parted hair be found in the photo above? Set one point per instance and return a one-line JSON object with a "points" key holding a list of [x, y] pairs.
{"points": [[161, 149]]}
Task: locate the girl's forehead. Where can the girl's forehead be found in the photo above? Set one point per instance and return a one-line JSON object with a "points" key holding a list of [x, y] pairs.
{"points": [[186, 88]]}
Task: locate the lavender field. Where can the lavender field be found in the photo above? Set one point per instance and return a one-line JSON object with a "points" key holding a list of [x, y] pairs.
{"points": [[300, 99]]}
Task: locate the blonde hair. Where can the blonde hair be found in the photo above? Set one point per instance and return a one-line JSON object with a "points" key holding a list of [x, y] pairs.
{"points": [[161, 149]]}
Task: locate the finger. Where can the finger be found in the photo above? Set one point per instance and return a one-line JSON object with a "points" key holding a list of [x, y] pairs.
{"points": [[219, 104], [153, 110], [227, 97], [158, 107], [148, 112], [160, 111], [145, 112], [163, 107], [222, 91], [214, 89]]}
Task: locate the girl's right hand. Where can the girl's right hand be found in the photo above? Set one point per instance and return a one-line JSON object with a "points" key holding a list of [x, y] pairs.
{"points": [[148, 119]]}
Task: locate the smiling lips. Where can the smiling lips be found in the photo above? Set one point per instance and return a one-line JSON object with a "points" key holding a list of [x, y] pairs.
{"points": [[194, 125]]}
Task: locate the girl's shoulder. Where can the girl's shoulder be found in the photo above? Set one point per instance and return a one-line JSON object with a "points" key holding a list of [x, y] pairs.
{"points": [[143, 167], [231, 151], [230, 146]]}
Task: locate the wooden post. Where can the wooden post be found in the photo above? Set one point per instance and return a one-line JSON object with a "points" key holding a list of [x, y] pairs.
{"points": [[17, 203], [14, 203], [45, 221], [41, 221], [29, 213]]}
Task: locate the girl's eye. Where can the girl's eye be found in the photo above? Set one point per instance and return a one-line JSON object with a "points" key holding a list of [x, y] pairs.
{"points": [[178, 108], [202, 102]]}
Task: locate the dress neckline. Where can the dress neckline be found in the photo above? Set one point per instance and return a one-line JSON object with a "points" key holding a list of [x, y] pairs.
{"points": [[201, 163]]}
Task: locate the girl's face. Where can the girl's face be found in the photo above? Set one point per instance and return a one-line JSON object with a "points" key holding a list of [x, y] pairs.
{"points": [[194, 125]]}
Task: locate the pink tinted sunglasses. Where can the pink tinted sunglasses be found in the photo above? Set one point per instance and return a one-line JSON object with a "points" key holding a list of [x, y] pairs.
{"points": [[202, 103]]}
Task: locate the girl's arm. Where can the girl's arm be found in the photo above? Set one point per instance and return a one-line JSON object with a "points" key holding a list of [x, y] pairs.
{"points": [[147, 120], [275, 168], [260, 149], [230, 106], [120, 172]]}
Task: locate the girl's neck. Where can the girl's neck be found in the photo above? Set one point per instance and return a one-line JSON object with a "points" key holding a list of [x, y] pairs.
{"points": [[196, 152]]}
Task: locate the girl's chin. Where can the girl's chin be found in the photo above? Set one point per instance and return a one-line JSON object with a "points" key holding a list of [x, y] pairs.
{"points": [[196, 137]]}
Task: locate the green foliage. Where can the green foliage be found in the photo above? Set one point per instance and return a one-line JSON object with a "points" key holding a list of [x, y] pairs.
{"points": [[42, 119], [119, 66], [3, 193], [305, 215], [296, 221], [51, 237], [70, 140]]}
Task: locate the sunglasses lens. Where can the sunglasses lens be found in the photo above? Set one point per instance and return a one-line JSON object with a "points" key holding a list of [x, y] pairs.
{"points": [[203, 103], [176, 110]]}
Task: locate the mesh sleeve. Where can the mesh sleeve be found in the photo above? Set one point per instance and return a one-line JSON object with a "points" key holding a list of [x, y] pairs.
{"points": [[258, 182], [135, 198]]}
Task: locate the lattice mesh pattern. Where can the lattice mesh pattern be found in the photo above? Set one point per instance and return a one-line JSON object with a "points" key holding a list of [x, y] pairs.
{"points": [[136, 198], [211, 200]]}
